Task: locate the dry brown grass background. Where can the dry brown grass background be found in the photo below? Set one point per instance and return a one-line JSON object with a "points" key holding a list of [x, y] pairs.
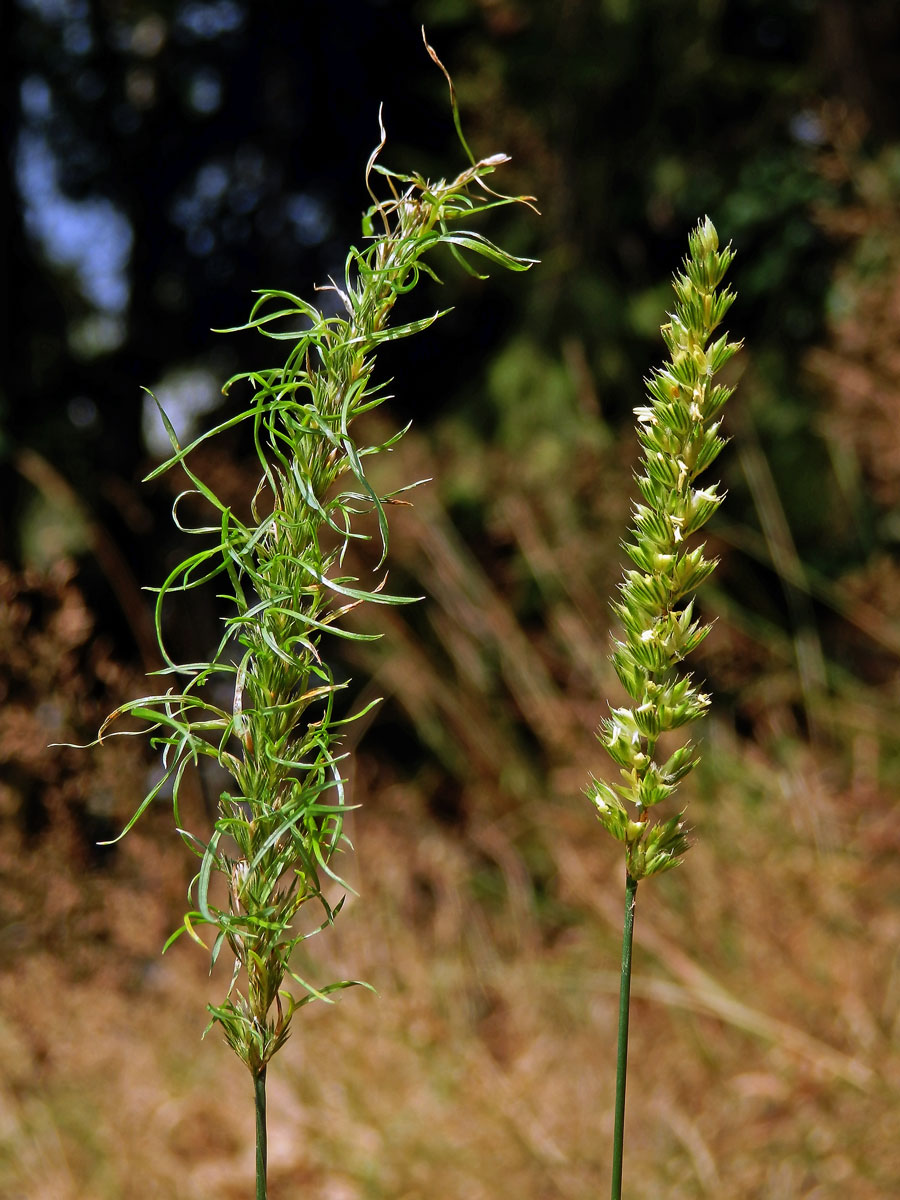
{"points": [[764, 1059], [765, 1024]]}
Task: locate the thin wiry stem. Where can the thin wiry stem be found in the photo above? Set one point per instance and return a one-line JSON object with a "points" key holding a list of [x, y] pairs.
{"points": [[622, 1041], [262, 1142]]}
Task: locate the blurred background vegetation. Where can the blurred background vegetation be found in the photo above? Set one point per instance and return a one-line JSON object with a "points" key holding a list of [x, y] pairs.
{"points": [[166, 157]]}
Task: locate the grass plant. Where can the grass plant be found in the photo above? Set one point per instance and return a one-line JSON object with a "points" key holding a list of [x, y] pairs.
{"points": [[282, 567], [766, 1054], [679, 433]]}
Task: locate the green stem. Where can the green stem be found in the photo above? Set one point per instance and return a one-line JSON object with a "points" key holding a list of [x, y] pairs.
{"points": [[259, 1091], [622, 1045]]}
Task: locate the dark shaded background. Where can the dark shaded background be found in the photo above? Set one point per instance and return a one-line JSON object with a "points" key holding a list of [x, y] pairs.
{"points": [[167, 158]]}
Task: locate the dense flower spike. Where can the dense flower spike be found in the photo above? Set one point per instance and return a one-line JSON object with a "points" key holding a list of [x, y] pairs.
{"points": [[279, 824], [679, 432]]}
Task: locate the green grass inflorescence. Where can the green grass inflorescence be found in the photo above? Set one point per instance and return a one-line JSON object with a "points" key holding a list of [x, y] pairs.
{"points": [[679, 432], [279, 824]]}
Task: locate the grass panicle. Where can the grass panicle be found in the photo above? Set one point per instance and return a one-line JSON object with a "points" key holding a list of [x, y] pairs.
{"points": [[679, 432]]}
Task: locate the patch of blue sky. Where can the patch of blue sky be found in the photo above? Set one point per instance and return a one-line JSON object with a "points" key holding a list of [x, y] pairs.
{"points": [[309, 217], [206, 21], [68, 15], [90, 237], [56, 11], [185, 394]]}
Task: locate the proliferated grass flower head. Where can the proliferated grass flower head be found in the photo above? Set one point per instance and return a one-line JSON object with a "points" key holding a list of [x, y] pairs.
{"points": [[279, 823], [679, 433]]}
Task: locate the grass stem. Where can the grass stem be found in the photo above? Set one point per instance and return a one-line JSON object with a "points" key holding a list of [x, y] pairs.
{"points": [[259, 1092], [622, 1044]]}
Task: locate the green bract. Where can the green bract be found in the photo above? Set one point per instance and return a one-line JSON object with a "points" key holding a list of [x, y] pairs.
{"points": [[678, 430], [279, 824]]}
